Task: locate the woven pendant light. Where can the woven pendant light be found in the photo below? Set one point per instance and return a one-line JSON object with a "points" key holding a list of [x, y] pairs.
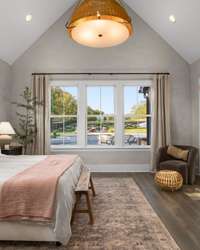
{"points": [[100, 23]]}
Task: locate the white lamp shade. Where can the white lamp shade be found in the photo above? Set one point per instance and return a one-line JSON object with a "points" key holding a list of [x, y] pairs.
{"points": [[100, 23], [100, 33], [6, 129]]}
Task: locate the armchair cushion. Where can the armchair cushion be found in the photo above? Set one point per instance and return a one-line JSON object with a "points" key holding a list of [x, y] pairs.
{"points": [[173, 163], [178, 153]]}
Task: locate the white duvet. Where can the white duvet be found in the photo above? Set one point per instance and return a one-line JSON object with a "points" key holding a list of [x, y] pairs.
{"points": [[60, 229]]}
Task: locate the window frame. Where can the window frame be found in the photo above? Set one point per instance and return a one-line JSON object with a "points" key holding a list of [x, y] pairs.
{"points": [[124, 115], [56, 84], [96, 84], [82, 112]]}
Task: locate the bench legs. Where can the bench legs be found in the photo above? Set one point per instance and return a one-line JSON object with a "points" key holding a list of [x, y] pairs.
{"points": [[86, 193], [92, 187], [78, 196], [89, 207]]}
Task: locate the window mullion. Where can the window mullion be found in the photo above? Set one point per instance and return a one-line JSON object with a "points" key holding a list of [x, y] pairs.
{"points": [[82, 106], [119, 115]]}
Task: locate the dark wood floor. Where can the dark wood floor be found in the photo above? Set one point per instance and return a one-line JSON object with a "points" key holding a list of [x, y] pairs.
{"points": [[179, 211]]}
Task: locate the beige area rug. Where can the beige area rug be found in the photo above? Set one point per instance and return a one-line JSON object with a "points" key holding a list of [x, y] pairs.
{"points": [[193, 192], [124, 220]]}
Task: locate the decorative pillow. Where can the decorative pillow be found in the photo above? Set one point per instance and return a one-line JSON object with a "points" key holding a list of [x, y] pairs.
{"points": [[178, 153]]}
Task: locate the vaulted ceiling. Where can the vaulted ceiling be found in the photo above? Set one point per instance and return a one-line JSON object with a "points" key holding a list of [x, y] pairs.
{"points": [[16, 35], [184, 35]]}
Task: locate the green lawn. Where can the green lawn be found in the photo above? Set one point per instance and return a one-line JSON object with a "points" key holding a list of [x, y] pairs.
{"points": [[127, 131], [58, 134], [135, 131]]}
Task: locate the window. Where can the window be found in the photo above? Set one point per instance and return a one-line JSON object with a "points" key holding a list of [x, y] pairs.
{"points": [[137, 115], [97, 114], [64, 116], [100, 116]]}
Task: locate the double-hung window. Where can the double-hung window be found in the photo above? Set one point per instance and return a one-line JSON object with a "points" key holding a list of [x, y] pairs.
{"points": [[64, 115], [100, 114], [137, 115]]}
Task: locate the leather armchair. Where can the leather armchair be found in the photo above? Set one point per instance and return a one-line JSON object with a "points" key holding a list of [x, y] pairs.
{"points": [[186, 168]]}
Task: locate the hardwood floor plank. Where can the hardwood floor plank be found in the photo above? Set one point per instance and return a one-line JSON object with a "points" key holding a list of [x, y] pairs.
{"points": [[179, 213]]}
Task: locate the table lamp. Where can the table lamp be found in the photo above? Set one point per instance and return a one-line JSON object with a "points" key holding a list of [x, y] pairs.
{"points": [[6, 132]]}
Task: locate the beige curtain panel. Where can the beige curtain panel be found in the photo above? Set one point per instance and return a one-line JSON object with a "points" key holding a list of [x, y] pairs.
{"points": [[161, 131], [40, 91]]}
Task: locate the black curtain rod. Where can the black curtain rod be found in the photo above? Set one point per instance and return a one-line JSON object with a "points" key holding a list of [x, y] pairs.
{"points": [[37, 74]]}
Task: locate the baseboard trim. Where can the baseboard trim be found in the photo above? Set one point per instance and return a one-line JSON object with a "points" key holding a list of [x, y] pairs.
{"points": [[119, 168]]}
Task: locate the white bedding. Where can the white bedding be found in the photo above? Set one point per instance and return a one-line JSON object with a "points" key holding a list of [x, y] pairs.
{"points": [[60, 229]]}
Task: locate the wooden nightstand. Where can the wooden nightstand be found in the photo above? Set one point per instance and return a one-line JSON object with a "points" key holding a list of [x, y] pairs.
{"points": [[12, 150]]}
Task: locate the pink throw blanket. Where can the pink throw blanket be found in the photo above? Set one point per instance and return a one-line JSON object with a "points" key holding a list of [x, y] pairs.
{"points": [[31, 194]]}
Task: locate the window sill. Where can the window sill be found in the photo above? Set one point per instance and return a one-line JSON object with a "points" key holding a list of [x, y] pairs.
{"points": [[110, 149]]}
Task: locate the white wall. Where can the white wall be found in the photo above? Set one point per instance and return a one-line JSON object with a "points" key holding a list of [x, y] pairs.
{"points": [[145, 52], [195, 85], [5, 84]]}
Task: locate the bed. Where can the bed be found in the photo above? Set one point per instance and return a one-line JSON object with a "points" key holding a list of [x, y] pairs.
{"points": [[59, 229]]}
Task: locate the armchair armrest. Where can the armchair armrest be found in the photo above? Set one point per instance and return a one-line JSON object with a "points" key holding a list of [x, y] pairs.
{"points": [[191, 157], [192, 164], [162, 156]]}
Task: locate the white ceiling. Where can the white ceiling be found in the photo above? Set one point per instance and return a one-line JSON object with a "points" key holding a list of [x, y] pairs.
{"points": [[184, 35], [17, 35]]}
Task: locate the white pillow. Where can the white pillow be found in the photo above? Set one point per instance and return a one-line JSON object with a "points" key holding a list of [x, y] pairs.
{"points": [[2, 156]]}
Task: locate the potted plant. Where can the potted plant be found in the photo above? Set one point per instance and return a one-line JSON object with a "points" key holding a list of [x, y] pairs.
{"points": [[27, 129]]}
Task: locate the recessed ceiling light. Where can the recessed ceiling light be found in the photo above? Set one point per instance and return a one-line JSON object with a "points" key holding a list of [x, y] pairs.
{"points": [[29, 17], [172, 19]]}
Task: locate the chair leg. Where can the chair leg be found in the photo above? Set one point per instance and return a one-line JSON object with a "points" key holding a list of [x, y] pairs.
{"points": [[89, 208], [92, 187]]}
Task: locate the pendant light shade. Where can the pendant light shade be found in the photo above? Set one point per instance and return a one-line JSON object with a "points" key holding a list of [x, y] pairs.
{"points": [[100, 23]]}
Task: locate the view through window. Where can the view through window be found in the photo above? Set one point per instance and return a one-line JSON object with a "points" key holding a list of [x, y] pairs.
{"points": [[100, 115], [137, 115], [116, 115], [64, 109]]}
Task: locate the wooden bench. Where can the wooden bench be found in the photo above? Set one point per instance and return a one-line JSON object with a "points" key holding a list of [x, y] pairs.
{"points": [[85, 183]]}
